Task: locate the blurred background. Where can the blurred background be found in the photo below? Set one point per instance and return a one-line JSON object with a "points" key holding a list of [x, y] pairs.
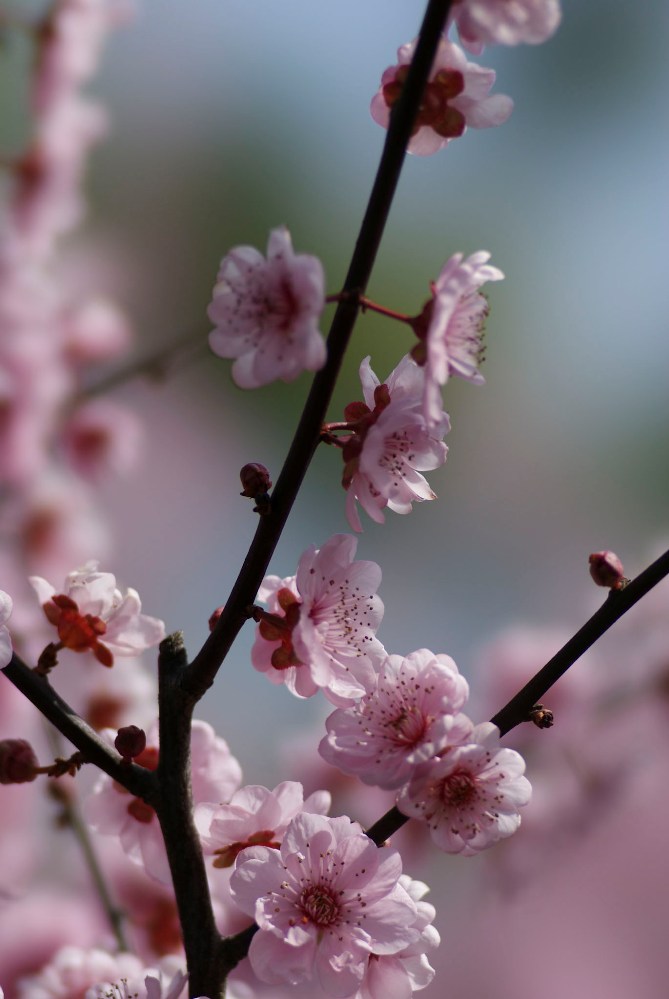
{"points": [[229, 119]]}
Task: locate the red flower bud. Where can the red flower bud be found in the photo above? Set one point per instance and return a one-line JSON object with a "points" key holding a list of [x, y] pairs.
{"points": [[606, 569], [18, 763], [130, 742], [255, 480]]}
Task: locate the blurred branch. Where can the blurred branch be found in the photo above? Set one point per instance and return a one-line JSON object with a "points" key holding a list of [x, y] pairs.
{"points": [[207, 662]]}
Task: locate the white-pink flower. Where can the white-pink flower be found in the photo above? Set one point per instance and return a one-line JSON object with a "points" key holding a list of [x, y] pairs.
{"points": [[319, 632], [323, 903], [164, 982], [409, 970], [266, 312], [411, 716], [471, 795], [451, 325], [91, 614], [489, 22], [74, 970], [254, 816], [113, 811], [457, 96], [6, 606], [391, 444]]}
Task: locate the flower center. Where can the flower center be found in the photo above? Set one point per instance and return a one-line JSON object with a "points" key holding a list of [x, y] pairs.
{"points": [[408, 726], [435, 111], [225, 856], [458, 789], [319, 905]]}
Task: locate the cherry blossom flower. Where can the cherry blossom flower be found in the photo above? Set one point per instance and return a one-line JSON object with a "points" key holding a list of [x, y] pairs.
{"points": [[320, 630], [91, 608], [409, 970], [489, 22], [390, 445], [165, 982], [469, 796], [411, 716], [456, 97], [113, 811], [102, 438], [74, 970], [450, 327], [323, 903], [266, 312], [6, 606], [254, 816]]}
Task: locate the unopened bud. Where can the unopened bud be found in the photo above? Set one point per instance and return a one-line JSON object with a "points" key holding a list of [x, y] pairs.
{"points": [[215, 615], [18, 763], [606, 569], [255, 480], [130, 742], [541, 716]]}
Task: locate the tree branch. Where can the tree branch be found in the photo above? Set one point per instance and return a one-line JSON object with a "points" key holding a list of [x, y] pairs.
{"points": [[207, 662]]}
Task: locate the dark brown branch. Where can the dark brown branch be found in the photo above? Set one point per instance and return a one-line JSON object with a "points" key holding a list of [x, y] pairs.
{"points": [[38, 690], [206, 664], [518, 709], [202, 941]]}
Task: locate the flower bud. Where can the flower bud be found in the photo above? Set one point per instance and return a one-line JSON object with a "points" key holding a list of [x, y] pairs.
{"points": [[214, 616], [255, 480], [606, 569], [130, 742], [18, 763]]}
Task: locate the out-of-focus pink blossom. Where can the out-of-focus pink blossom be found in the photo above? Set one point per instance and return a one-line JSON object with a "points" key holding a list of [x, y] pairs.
{"points": [[457, 96], [489, 22], [391, 444], [326, 901], [469, 796], [113, 811], [102, 438], [91, 607], [450, 327], [94, 331], [74, 970], [411, 716], [266, 312], [320, 630], [167, 981], [254, 816], [6, 606]]}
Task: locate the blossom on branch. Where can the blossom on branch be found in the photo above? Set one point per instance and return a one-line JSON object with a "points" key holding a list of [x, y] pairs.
{"points": [[489, 22], [92, 615], [6, 606], [266, 312], [457, 96], [390, 444], [411, 716], [450, 327], [254, 816], [470, 795], [324, 902], [319, 632]]}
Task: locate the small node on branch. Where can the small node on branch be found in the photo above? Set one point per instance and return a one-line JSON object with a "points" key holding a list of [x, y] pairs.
{"points": [[172, 651], [607, 570], [214, 617], [18, 763], [542, 717], [60, 766], [130, 742], [48, 658], [256, 484]]}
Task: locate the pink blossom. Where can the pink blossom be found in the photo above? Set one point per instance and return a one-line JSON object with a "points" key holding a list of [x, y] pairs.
{"points": [[489, 22], [164, 982], [266, 312], [91, 605], [6, 606], [411, 716], [320, 630], [102, 438], [470, 795], [94, 331], [74, 970], [254, 816], [409, 970], [323, 903], [113, 811], [391, 444], [450, 327], [456, 97]]}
